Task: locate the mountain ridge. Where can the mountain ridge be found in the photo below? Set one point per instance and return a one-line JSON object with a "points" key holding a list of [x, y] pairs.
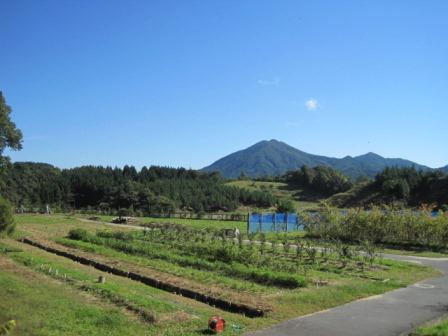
{"points": [[273, 157]]}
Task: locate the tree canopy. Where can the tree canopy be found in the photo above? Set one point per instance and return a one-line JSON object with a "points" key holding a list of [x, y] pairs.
{"points": [[10, 135]]}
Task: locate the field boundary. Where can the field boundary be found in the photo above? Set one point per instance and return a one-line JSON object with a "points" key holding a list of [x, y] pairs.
{"points": [[191, 294]]}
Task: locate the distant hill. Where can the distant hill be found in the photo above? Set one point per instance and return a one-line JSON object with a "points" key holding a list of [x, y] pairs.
{"points": [[275, 158], [445, 169]]}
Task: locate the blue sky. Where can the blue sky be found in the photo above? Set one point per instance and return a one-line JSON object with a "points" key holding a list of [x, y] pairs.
{"points": [[183, 83]]}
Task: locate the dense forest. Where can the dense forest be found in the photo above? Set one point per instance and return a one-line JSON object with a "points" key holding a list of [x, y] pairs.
{"points": [[405, 186], [150, 190]]}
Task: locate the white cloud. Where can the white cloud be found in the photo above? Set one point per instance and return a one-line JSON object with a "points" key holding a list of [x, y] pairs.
{"points": [[311, 104], [269, 82]]}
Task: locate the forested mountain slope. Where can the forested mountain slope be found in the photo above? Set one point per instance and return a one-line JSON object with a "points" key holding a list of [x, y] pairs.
{"points": [[273, 158]]}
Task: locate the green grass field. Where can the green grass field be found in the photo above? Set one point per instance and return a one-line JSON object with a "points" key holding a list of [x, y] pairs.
{"points": [[31, 279]]}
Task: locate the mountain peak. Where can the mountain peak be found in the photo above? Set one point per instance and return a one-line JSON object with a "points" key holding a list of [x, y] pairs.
{"points": [[273, 158], [370, 155], [267, 142]]}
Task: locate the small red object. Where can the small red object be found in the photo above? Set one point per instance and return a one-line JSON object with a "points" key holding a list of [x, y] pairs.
{"points": [[216, 324]]}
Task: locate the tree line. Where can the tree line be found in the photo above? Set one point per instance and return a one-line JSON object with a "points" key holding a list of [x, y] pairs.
{"points": [[407, 186], [404, 187], [151, 190], [412, 187]]}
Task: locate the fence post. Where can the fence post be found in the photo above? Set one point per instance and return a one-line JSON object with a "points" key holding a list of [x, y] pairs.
{"points": [[286, 219], [248, 222], [273, 219], [260, 222]]}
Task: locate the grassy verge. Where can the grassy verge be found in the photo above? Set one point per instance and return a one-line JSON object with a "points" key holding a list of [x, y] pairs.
{"points": [[427, 254], [438, 329]]}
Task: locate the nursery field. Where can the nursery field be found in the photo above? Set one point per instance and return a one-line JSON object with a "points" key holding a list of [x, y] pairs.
{"points": [[280, 282]]}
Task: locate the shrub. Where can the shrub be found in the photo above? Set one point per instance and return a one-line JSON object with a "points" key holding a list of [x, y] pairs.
{"points": [[406, 228], [78, 234], [286, 205], [7, 224]]}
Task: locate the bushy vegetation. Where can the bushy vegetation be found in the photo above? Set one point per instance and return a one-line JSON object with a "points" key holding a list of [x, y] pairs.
{"points": [[151, 190], [385, 225]]}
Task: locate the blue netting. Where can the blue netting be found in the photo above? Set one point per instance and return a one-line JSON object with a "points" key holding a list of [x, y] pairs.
{"points": [[274, 222]]}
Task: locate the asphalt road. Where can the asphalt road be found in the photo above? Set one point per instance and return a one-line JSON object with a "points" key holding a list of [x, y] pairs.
{"points": [[392, 314]]}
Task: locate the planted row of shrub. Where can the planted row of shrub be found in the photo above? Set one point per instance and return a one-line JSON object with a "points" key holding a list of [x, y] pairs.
{"points": [[232, 269]]}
